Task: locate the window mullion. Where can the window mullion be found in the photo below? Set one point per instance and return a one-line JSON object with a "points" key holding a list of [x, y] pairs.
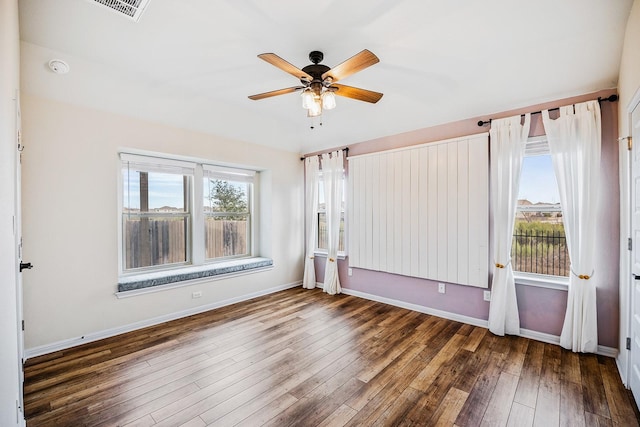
{"points": [[197, 230]]}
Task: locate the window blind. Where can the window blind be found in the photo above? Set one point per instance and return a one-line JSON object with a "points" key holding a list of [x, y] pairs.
{"points": [[156, 164], [228, 174]]}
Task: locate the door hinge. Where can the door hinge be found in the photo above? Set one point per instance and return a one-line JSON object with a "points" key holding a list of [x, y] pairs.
{"points": [[629, 243], [23, 325], [628, 343], [629, 143]]}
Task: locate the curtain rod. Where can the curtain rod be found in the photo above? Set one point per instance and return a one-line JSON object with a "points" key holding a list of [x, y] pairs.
{"points": [[346, 149], [612, 98]]}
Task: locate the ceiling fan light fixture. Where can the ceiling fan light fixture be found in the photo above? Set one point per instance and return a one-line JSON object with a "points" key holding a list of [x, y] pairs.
{"points": [[328, 100], [316, 108], [308, 99]]}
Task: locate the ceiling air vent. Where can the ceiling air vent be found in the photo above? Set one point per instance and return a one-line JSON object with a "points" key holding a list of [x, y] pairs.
{"points": [[131, 8]]}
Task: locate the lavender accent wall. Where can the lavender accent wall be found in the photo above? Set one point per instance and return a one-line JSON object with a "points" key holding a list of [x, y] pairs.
{"points": [[541, 309], [458, 299]]}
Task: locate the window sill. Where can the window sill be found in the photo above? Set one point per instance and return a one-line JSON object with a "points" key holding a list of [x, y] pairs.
{"points": [[542, 281], [323, 254], [160, 280]]}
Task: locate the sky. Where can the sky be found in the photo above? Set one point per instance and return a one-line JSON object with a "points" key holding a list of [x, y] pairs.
{"points": [[538, 181], [537, 184], [164, 190]]}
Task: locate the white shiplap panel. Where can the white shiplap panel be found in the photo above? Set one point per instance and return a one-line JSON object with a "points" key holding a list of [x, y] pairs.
{"points": [[479, 215], [432, 211], [355, 193], [397, 215], [483, 217], [423, 212], [406, 213], [350, 220], [375, 212], [362, 214], [414, 233], [463, 211], [368, 219], [391, 210], [452, 216], [358, 209], [383, 206], [443, 214]]}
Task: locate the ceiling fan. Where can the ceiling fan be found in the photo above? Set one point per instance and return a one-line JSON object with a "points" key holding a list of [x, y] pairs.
{"points": [[318, 82]]}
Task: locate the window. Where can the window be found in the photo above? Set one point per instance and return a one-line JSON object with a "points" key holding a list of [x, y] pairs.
{"points": [[156, 214], [160, 227], [322, 218], [227, 207], [539, 244]]}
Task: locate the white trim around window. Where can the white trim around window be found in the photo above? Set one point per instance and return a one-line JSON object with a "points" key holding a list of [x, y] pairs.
{"points": [[196, 266], [560, 283]]}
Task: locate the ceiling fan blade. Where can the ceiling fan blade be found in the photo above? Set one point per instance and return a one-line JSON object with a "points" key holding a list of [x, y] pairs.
{"points": [[356, 63], [357, 93], [275, 93], [275, 60]]}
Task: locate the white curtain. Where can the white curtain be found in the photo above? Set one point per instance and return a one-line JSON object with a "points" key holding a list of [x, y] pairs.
{"points": [[574, 142], [312, 165], [333, 175], [508, 142]]}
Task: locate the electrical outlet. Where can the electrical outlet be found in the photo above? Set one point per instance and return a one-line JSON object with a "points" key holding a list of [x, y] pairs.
{"points": [[441, 288], [350, 271], [487, 295], [196, 294]]}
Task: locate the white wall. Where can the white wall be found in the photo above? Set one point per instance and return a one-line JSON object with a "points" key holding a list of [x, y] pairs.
{"points": [[628, 84], [9, 83], [629, 80], [70, 216]]}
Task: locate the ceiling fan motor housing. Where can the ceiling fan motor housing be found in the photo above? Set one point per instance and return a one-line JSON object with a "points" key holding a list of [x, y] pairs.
{"points": [[316, 71]]}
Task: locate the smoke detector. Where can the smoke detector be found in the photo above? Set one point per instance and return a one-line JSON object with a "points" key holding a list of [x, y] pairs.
{"points": [[58, 66]]}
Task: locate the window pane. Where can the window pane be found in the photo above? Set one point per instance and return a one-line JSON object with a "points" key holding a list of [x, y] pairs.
{"points": [[322, 216], [154, 241], [538, 181], [321, 201], [322, 232], [226, 196], [151, 240], [154, 192], [539, 245], [226, 236], [227, 224]]}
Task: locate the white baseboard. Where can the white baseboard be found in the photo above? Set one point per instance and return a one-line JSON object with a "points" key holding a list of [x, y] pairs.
{"points": [[607, 351], [72, 342], [95, 336], [526, 333], [621, 364], [419, 308], [555, 339]]}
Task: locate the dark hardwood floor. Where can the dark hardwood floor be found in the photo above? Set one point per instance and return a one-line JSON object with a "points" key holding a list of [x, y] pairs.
{"points": [[301, 357]]}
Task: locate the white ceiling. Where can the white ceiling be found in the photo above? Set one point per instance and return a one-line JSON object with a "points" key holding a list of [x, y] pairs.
{"points": [[192, 63]]}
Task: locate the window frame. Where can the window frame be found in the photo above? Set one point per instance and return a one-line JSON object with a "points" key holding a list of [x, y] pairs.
{"points": [[195, 239], [538, 146], [321, 251], [234, 175]]}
